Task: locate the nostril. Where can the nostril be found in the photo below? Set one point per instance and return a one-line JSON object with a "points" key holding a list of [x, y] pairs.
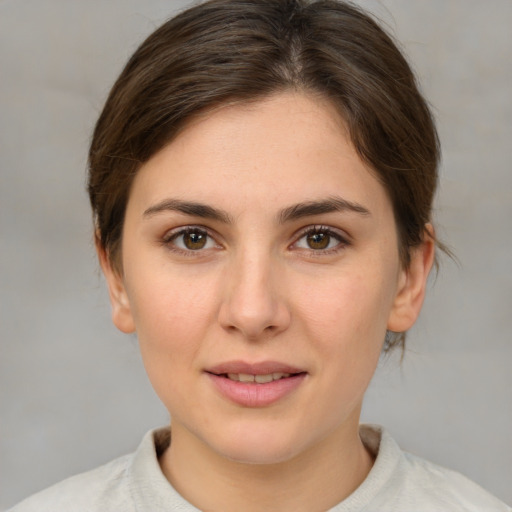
{"points": [[253, 315]]}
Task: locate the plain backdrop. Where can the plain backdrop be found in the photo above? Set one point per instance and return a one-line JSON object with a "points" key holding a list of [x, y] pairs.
{"points": [[73, 390]]}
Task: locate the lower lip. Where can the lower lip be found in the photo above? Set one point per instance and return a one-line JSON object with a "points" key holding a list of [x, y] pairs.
{"points": [[252, 394]]}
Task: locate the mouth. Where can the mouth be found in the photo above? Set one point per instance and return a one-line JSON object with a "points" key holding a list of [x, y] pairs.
{"points": [[260, 373], [256, 385], [264, 378], [259, 379]]}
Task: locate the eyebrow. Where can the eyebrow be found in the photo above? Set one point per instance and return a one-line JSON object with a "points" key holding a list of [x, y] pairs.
{"points": [[331, 204], [189, 208], [294, 212]]}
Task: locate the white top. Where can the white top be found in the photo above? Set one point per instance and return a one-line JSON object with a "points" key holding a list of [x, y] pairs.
{"points": [[398, 482]]}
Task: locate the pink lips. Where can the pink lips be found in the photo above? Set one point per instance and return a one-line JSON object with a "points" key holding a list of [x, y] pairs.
{"points": [[253, 394]]}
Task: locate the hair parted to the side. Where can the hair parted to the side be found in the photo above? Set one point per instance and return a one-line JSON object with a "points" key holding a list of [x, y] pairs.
{"points": [[224, 51]]}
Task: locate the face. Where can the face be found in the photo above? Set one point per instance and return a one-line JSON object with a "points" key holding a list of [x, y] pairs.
{"points": [[260, 272]]}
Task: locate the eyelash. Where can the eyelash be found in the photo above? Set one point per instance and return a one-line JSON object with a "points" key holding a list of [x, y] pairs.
{"points": [[342, 241], [169, 240]]}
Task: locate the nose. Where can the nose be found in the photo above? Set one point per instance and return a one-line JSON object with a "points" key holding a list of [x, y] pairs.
{"points": [[254, 303]]}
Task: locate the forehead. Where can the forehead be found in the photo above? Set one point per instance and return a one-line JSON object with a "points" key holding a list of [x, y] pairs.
{"points": [[286, 148]]}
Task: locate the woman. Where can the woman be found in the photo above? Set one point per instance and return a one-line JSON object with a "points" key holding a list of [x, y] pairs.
{"points": [[261, 179]]}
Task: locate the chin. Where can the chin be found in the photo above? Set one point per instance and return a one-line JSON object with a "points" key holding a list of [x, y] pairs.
{"points": [[258, 455], [261, 447]]}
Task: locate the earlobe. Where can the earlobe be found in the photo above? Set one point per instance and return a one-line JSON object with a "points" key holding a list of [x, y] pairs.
{"points": [[120, 304], [412, 285]]}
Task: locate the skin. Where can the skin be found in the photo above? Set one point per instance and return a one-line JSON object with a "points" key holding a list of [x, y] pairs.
{"points": [[258, 291]]}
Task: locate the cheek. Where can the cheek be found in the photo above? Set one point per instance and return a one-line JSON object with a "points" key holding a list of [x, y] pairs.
{"points": [[350, 310], [345, 318], [172, 314], [170, 299], [168, 330]]}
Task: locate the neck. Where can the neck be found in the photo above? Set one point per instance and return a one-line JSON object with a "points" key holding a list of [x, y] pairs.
{"points": [[315, 480]]}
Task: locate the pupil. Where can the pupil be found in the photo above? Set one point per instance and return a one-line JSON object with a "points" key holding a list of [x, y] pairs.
{"points": [[318, 240], [194, 241]]}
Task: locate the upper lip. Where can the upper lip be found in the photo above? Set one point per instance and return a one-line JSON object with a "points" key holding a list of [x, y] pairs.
{"points": [[259, 368]]}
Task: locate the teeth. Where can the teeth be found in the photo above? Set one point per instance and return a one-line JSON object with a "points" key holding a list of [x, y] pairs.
{"points": [[260, 379], [279, 375]]}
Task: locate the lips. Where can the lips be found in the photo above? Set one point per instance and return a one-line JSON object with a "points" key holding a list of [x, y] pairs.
{"points": [[255, 384], [260, 368], [259, 379]]}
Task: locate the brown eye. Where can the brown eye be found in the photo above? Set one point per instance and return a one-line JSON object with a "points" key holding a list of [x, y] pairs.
{"points": [[321, 239], [189, 240], [318, 241], [195, 240]]}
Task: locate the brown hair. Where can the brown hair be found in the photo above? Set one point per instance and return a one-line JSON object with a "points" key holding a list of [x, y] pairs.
{"points": [[242, 50]]}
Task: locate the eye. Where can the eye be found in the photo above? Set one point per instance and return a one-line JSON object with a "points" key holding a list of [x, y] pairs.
{"points": [[190, 239], [320, 238]]}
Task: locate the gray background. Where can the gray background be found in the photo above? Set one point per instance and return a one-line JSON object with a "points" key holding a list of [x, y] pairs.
{"points": [[73, 390]]}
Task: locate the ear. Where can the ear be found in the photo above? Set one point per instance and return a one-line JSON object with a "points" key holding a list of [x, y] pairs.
{"points": [[121, 311], [412, 285]]}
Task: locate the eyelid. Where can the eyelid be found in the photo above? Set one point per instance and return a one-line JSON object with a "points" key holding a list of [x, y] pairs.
{"points": [[176, 232], [341, 236]]}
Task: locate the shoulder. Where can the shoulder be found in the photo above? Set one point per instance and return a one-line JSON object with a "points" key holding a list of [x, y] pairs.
{"points": [[401, 481], [447, 488], [129, 483], [100, 489]]}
